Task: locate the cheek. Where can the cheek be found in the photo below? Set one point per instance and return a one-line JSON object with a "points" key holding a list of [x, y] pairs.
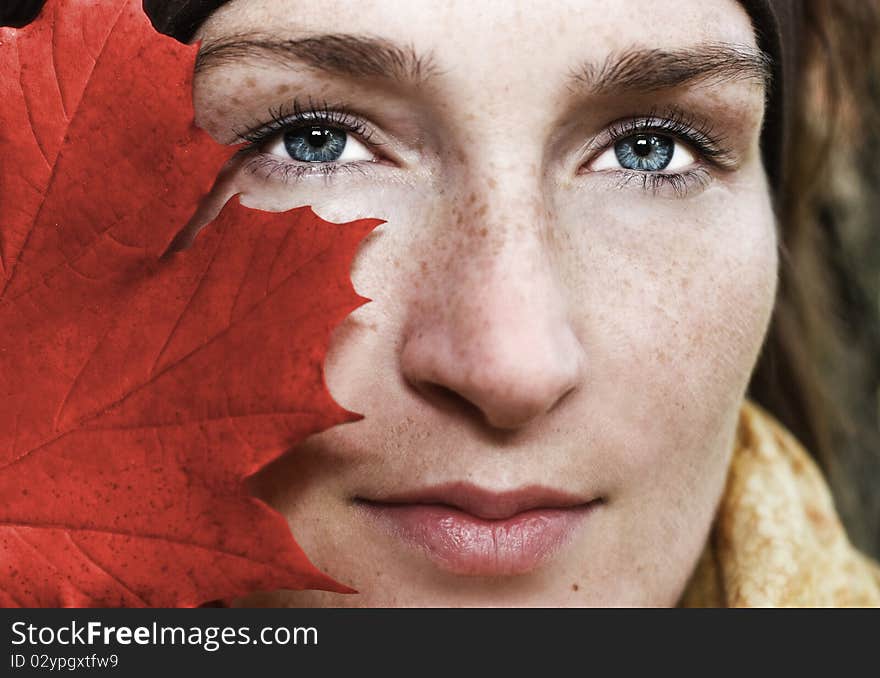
{"points": [[673, 299]]}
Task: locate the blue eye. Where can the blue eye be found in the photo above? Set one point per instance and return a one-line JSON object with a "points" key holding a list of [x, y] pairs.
{"points": [[645, 152], [315, 144]]}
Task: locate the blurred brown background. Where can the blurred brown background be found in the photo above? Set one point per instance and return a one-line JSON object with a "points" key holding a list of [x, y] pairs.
{"points": [[840, 192]]}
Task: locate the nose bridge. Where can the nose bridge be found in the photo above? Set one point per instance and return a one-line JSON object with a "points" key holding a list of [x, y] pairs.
{"points": [[504, 285], [499, 215], [498, 277], [494, 328]]}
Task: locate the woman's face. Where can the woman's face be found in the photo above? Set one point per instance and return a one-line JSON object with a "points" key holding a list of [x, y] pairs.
{"points": [[571, 288]]}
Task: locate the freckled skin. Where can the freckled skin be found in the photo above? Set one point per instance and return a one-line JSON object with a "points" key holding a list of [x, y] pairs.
{"points": [[531, 322]]}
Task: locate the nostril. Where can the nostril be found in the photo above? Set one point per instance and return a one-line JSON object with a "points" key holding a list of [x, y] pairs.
{"points": [[447, 399], [518, 413], [500, 408]]}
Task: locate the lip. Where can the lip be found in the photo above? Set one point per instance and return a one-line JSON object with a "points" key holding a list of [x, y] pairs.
{"points": [[468, 530]]}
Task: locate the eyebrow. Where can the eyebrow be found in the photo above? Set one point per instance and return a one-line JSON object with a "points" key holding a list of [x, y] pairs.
{"points": [[354, 56], [648, 70], [337, 53]]}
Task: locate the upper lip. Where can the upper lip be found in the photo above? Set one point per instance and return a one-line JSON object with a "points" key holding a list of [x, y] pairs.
{"points": [[483, 503]]}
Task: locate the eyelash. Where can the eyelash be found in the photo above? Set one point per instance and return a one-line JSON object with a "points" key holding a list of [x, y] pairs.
{"points": [[683, 127], [291, 117], [673, 122]]}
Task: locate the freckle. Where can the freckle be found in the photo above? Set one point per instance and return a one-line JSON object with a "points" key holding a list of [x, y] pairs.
{"points": [[250, 81], [575, 587], [492, 183], [484, 231]]}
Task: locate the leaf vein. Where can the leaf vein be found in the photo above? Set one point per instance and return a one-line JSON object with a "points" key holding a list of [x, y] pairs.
{"points": [[220, 334], [42, 556], [109, 574], [53, 166], [183, 311], [54, 62], [77, 377], [107, 532]]}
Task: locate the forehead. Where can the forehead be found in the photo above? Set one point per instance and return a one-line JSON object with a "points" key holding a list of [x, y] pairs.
{"points": [[532, 36]]}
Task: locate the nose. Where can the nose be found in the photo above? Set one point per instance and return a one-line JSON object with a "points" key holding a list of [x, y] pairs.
{"points": [[492, 332]]}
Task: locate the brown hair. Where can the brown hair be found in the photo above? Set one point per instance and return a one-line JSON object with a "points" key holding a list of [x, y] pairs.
{"points": [[819, 369]]}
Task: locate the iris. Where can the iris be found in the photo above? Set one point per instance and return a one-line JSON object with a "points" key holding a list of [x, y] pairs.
{"points": [[645, 152], [315, 144]]}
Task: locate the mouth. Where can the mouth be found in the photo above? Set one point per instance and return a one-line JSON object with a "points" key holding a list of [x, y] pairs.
{"points": [[467, 530]]}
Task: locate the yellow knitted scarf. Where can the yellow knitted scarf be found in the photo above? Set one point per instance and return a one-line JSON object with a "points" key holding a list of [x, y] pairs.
{"points": [[777, 540]]}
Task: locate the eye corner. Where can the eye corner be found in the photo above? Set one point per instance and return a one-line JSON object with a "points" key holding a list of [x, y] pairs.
{"points": [[604, 160]]}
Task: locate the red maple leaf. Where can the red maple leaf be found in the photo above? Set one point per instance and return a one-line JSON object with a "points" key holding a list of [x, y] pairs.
{"points": [[138, 391]]}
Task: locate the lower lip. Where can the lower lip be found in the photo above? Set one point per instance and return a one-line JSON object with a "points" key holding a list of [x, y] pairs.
{"points": [[464, 544]]}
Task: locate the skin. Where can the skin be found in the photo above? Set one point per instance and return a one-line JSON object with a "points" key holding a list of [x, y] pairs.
{"points": [[535, 319]]}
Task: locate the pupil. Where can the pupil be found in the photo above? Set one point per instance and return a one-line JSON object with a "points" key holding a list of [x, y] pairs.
{"points": [[318, 137], [644, 145]]}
